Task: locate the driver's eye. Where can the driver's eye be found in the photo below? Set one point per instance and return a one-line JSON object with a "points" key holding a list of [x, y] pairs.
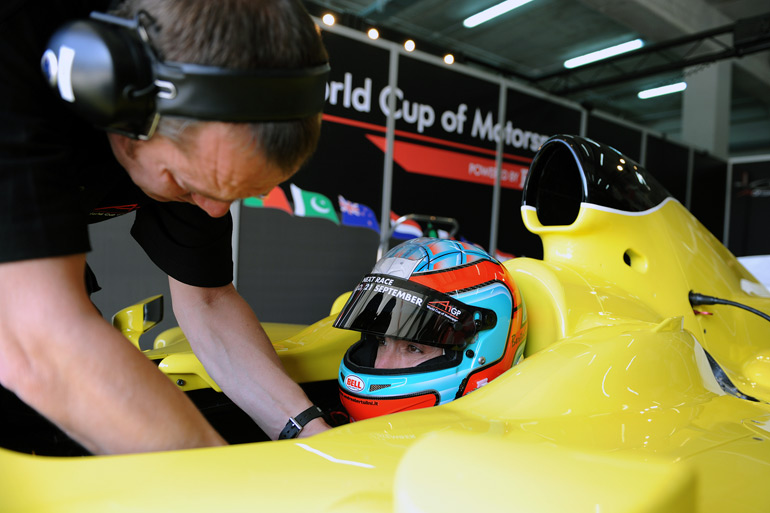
{"points": [[413, 349], [381, 341]]}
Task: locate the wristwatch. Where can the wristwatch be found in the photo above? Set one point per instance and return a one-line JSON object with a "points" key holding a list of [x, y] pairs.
{"points": [[295, 425]]}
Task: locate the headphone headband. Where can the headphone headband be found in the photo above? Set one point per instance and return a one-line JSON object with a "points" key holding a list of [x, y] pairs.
{"points": [[217, 94], [106, 68]]}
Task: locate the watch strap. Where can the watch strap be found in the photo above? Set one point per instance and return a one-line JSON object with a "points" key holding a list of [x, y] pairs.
{"points": [[295, 425]]}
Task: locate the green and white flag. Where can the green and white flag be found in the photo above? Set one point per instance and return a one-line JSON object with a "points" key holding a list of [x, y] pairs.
{"points": [[313, 204]]}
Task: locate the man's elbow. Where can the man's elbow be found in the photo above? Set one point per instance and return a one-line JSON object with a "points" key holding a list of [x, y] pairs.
{"points": [[189, 296]]}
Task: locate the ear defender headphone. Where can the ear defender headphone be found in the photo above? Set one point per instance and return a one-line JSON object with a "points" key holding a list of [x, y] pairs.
{"points": [[107, 70]]}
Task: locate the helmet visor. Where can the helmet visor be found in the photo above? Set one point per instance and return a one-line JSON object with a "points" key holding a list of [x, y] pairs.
{"points": [[388, 306]]}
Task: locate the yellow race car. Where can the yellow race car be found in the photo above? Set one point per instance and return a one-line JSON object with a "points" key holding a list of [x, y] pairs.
{"points": [[644, 386]]}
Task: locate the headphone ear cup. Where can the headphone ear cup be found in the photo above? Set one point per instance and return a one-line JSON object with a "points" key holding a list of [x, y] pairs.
{"points": [[104, 72]]}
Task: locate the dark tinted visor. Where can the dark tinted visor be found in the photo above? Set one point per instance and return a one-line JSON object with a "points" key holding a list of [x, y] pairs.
{"points": [[388, 306]]}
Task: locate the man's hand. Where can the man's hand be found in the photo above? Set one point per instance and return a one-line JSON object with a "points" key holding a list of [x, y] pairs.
{"points": [[228, 339]]}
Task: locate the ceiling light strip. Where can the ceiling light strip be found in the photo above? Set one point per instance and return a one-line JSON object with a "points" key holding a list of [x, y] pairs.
{"points": [[493, 12], [604, 54], [660, 91]]}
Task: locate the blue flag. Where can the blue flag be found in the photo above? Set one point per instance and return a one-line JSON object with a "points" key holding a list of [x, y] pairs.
{"points": [[356, 214]]}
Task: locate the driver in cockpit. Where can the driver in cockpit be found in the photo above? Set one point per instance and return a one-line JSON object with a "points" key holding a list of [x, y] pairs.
{"points": [[439, 318]]}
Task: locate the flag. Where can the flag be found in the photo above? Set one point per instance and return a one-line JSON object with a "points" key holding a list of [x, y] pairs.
{"points": [[313, 204], [274, 199], [406, 230], [356, 214]]}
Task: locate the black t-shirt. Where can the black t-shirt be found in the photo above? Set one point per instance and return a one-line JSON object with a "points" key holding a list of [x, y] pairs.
{"points": [[58, 173]]}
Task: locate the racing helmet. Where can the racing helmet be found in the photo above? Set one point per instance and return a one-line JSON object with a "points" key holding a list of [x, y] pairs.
{"points": [[436, 292]]}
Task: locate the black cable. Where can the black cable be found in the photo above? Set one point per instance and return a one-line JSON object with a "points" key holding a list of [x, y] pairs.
{"points": [[702, 299]]}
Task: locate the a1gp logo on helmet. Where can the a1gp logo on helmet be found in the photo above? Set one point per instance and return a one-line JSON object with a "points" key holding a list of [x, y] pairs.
{"points": [[354, 383], [445, 308]]}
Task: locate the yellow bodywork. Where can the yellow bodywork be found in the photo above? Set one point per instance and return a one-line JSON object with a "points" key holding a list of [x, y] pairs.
{"points": [[613, 409]]}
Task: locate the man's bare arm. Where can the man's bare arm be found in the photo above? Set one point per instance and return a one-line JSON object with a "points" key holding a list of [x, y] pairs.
{"points": [[60, 357], [227, 337]]}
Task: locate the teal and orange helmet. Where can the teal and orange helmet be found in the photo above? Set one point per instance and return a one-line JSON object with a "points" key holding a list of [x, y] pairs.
{"points": [[436, 292]]}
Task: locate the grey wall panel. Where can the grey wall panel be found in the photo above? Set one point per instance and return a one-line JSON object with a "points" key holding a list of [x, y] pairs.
{"points": [[125, 273], [292, 268]]}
